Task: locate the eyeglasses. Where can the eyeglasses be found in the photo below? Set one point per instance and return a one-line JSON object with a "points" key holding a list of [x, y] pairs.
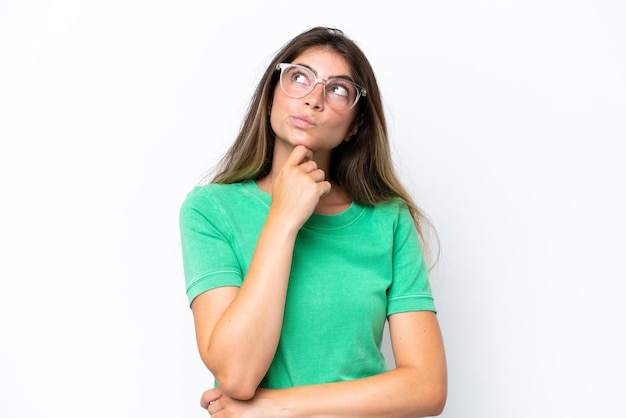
{"points": [[297, 81]]}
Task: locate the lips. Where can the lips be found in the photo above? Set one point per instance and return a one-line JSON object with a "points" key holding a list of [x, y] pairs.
{"points": [[302, 120]]}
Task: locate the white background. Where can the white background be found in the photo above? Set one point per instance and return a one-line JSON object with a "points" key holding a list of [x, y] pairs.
{"points": [[507, 120]]}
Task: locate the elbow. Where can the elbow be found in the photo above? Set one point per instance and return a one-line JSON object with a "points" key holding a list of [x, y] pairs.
{"points": [[235, 383], [236, 389], [428, 400], [437, 400], [438, 407]]}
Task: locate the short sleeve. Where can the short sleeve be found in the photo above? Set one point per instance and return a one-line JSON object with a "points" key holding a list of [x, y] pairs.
{"points": [[208, 257], [410, 289]]}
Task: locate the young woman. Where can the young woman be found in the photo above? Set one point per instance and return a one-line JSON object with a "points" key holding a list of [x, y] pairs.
{"points": [[304, 244]]}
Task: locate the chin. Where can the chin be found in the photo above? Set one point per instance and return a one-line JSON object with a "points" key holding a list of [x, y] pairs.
{"points": [[297, 140]]}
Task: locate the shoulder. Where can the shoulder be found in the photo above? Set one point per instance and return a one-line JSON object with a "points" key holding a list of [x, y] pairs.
{"points": [[384, 217], [395, 214], [206, 191], [393, 203], [392, 208], [202, 195], [209, 199], [236, 202]]}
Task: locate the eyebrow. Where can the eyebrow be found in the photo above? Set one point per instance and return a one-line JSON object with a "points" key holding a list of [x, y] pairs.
{"points": [[344, 77]]}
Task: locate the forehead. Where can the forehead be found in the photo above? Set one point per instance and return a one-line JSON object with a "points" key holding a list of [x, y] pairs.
{"points": [[325, 61]]}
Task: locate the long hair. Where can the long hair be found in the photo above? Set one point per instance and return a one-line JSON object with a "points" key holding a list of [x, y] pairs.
{"points": [[362, 166]]}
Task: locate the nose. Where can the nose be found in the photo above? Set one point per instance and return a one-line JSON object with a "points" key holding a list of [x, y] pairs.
{"points": [[315, 98]]}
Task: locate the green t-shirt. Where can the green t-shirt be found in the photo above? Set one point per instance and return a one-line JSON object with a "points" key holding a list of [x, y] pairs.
{"points": [[349, 272]]}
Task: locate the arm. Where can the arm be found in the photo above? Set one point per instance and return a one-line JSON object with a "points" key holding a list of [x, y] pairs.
{"points": [[238, 330], [417, 387]]}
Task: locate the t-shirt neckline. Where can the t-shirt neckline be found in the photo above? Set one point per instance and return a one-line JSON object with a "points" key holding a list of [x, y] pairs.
{"points": [[317, 220]]}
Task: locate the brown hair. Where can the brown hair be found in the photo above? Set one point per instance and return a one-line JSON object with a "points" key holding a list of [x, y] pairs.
{"points": [[362, 166]]}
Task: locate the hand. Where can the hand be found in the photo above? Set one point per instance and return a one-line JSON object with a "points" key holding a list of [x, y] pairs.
{"points": [[221, 406], [298, 187], [207, 401]]}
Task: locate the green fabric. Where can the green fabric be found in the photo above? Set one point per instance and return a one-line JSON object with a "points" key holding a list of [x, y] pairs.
{"points": [[349, 272]]}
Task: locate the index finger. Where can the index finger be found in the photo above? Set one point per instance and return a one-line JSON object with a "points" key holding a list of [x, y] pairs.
{"points": [[299, 155]]}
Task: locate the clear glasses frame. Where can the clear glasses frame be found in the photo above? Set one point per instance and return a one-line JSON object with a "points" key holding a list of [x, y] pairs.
{"points": [[360, 91]]}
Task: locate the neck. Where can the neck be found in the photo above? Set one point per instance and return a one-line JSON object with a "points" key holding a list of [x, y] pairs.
{"points": [[334, 202]]}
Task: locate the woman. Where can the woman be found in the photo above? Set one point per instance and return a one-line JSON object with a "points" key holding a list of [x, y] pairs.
{"points": [[304, 244]]}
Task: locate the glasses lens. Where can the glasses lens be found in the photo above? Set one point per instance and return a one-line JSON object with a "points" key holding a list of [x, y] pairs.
{"points": [[297, 81], [340, 94]]}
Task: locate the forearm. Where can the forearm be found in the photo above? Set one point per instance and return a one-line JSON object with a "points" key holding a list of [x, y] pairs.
{"points": [[244, 340], [399, 393]]}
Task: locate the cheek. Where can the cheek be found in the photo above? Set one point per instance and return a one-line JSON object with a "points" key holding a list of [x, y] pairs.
{"points": [[277, 108], [275, 118], [342, 125], [273, 112]]}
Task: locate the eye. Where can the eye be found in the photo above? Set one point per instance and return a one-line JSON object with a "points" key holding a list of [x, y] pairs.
{"points": [[340, 88], [299, 76]]}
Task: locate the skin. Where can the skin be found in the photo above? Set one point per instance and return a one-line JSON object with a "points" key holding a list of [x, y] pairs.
{"points": [[230, 320], [308, 122]]}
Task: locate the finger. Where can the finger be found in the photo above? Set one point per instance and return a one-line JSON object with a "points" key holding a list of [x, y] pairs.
{"points": [[209, 396], [299, 155], [213, 408], [324, 188], [308, 166], [318, 175]]}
